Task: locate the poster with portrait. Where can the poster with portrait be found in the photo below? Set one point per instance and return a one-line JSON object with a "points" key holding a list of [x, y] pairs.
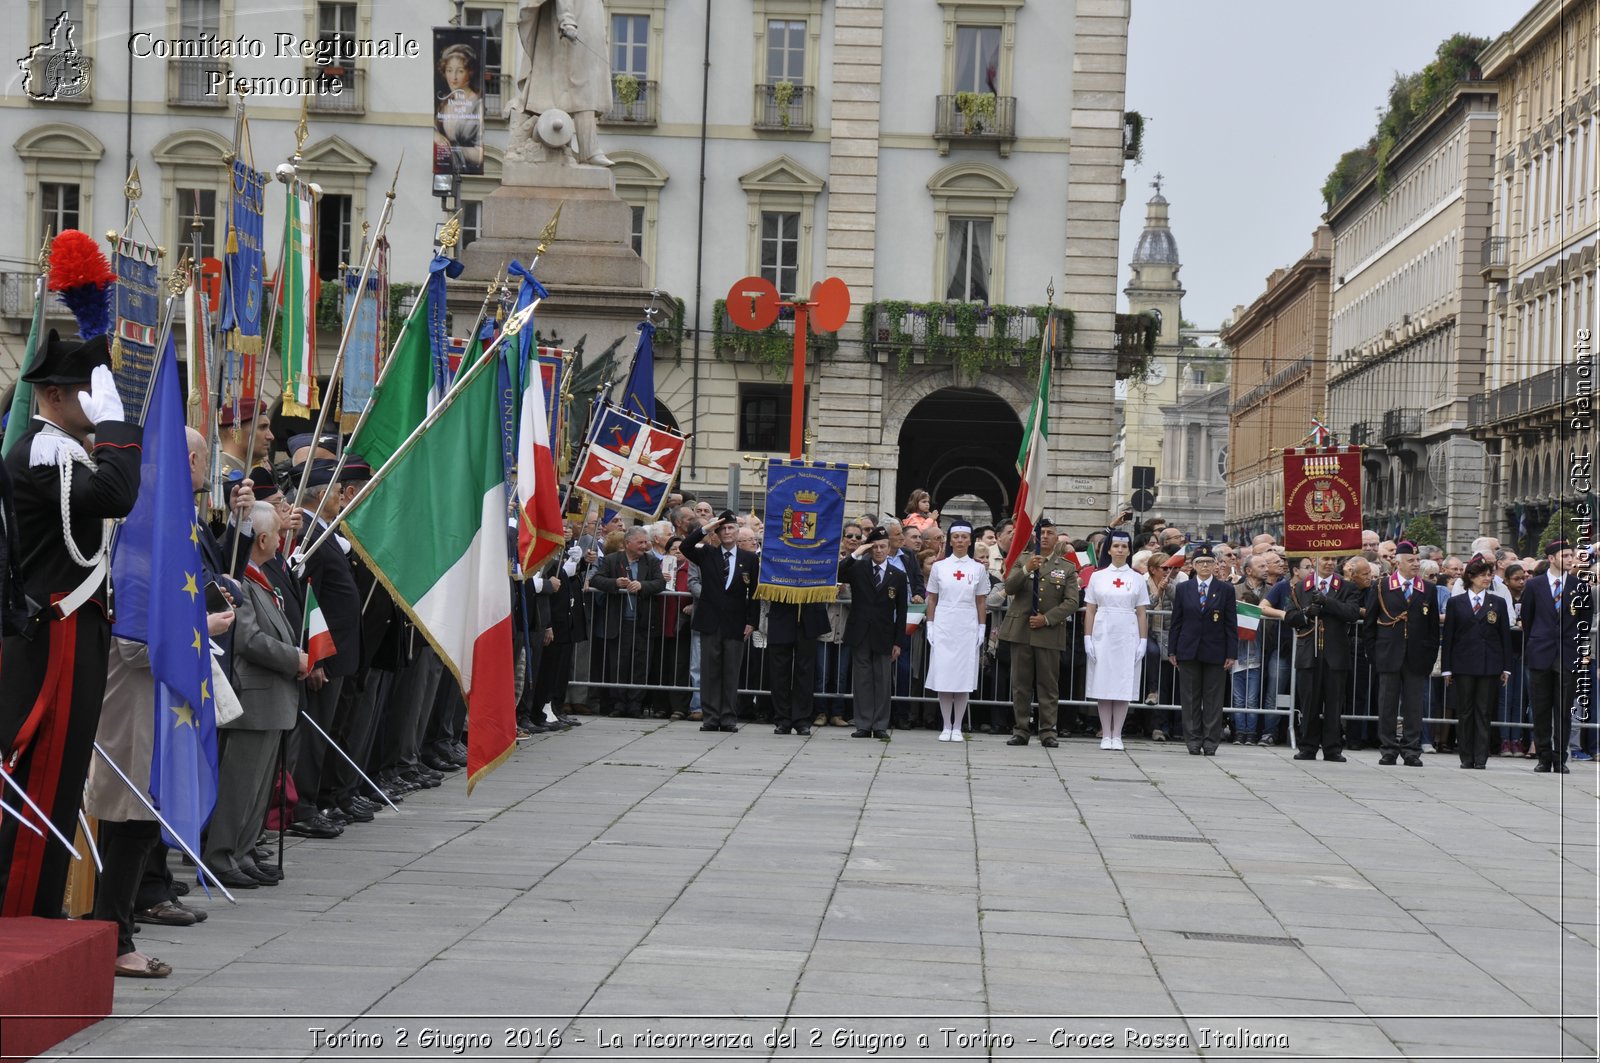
{"points": [[457, 100]]}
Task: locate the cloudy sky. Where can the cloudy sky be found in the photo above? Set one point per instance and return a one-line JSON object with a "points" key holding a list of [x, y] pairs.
{"points": [[1249, 103]]}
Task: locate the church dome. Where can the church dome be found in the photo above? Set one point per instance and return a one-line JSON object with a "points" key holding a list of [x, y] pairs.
{"points": [[1156, 245]]}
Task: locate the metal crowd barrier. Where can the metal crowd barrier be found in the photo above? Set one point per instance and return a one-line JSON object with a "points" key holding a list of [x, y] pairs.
{"points": [[659, 666]]}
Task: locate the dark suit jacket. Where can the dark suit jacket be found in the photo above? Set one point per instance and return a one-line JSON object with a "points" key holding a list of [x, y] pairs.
{"points": [[267, 658], [723, 612], [1550, 629], [614, 567], [331, 577], [1208, 633], [13, 603], [877, 614], [788, 624], [1406, 636], [569, 611], [1338, 611], [914, 581], [1477, 645]]}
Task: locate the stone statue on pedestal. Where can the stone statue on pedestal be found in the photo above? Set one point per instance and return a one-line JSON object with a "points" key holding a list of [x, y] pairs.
{"points": [[567, 85]]}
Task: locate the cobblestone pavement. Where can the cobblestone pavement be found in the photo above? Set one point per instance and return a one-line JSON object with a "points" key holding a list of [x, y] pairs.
{"points": [[641, 890]]}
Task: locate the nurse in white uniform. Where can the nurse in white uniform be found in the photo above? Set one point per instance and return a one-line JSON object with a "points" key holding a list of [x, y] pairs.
{"points": [[958, 590], [1115, 628]]}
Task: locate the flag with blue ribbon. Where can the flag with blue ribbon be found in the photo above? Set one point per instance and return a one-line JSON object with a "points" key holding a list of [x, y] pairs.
{"points": [[804, 529], [640, 394], [438, 335], [156, 570], [514, 363]]}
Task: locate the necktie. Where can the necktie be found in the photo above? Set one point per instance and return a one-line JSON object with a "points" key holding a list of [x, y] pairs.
{"points": [[727, 557], [1322, 586], [879, 570], [1555, 588], [1205, 590], [1408, 592], [1477, 604]]}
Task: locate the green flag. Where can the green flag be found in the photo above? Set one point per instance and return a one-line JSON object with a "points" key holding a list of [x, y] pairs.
{"points": [[400, 402], [22, 397]]}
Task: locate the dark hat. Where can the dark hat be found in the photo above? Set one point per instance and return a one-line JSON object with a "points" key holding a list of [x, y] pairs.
{"points": [[1554, 546], [264, 483], [356, 469], [878, 535], [959, 524], [61, 361], [1405, 546], [1202, 553], [305, 439], [1045, 522], [244, 412], [321, 472]]}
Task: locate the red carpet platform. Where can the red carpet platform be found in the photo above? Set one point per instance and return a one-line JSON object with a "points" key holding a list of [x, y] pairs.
{"points": [[52, 967]]}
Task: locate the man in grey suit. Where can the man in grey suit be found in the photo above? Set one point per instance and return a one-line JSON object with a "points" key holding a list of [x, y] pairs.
{"points": [[268, 668], [628, 578]]}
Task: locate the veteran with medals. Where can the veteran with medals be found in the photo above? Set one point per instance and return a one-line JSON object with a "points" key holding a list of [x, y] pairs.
{"points": [[872, 630], [1203, 643], [1036, 630], [1477, 657], [724, 617], [1402, 616], [74, 473], [1321, 614]]}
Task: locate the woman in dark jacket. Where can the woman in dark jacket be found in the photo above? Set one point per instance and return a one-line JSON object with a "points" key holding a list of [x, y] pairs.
{"points": [[1476, 654], [569, 625]]}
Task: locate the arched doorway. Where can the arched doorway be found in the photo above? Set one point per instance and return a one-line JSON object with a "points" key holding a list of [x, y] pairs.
{"points": [[961, 441]]}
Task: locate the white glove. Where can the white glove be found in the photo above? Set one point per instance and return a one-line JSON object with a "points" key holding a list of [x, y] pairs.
{"points": [[569, 567], [933, 634], [1088, 646], [101, 402], [1142, 644], [980, 638], [538, 584]]}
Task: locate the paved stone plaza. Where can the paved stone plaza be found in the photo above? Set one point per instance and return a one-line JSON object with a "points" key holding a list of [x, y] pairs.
{"points": [[661, 885]]}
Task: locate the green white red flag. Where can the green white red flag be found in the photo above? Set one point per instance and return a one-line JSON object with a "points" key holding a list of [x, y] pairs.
{"points": [[297, 302], [539, 528], [1033, 462], [1249, 620], [319, 640], [453, 581]]}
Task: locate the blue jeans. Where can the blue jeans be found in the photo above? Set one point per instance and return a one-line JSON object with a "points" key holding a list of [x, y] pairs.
{"points": [[1247, 697]]}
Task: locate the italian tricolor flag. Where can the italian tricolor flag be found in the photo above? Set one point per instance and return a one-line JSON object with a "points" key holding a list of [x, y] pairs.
{"points": [[1249, 620], [319, 641], [450, 574], [1085, 560], [539, 529], [1033, 462], [297, 301]]}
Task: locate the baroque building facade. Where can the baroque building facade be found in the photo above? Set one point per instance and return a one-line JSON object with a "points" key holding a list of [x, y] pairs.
{"points": [[1538, 261], [950, 160], [1407, 338]]}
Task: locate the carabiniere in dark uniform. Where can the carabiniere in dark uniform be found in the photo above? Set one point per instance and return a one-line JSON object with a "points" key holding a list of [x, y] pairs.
{"points": [[1403, 612]]}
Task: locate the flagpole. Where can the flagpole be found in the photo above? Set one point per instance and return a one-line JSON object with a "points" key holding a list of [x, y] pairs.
{"points": [[514, 325], [199, 864], [344, 340], [31, 803]]}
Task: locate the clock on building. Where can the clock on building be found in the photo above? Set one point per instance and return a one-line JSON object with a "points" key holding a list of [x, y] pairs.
{"points": [[1157, 372]]}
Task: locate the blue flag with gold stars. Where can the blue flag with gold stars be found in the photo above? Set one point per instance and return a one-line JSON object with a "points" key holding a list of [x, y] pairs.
{"points": [[160, 600]]}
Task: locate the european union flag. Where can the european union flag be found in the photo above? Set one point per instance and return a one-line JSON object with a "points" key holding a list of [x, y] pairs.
{"points": [[640, 395], [160, 601]]}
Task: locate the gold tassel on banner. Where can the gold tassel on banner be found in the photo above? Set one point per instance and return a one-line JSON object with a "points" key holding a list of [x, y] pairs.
{"points": [[772, 592]]}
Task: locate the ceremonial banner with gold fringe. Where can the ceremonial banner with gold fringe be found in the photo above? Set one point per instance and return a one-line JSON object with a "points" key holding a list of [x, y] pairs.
{"points": [[138, 305], [297, 300], [804, 527], [199, 358], [1322, 500], [243, 260], [361, 358]]}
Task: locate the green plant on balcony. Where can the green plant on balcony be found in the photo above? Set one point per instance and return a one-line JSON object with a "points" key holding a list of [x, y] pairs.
{"points": [[1423, 531], [976, 109], [961, 343], [626, 87], [772, 346], [782, 97], [1136, 345], [1133, 129]]}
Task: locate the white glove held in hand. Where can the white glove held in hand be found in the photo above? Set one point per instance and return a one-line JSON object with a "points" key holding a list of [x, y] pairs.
{"points": [[1088, 646], [980, 638], [101, 402], [1142, 644]]}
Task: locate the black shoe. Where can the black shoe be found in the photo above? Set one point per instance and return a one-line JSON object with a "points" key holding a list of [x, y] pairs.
{"points": [[261, 875], [356, 812], [781, 730], [1210, 752], [261, 853], [859, 733], [317, 826], [182, 888], [233, 879], [882, 736], [1413, 761], [1305, 755], [1337, 758], [1017, 740], [803, 730], [436, 763], [1194, 751], [1561, 769], [1048, 743], [709, 727], [730, 727], [1387, 760]]}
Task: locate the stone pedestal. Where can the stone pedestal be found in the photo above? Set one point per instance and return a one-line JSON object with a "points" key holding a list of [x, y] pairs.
{"points": [[596, 281]]}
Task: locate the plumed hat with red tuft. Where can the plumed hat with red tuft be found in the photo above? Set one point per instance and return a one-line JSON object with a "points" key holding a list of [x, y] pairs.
{"points": [[81, 275]]}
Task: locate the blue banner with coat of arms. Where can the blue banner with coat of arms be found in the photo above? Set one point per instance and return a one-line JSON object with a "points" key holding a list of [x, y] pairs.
{"points": [[805, 525]]}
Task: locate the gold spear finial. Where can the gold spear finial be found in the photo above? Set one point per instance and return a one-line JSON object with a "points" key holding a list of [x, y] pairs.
{"points": [[549, 232], [44, 251], [302, 131], [133, 189], [1050, 293], [180, 276], [450, 235]]}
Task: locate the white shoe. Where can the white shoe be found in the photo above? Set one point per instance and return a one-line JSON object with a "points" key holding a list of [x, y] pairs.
{"points": [[1116, 743], [944, 735], [1105, 743], [957, 736]]}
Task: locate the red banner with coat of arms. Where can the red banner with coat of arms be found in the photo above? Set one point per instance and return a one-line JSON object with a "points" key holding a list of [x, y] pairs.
{"points": [[1322, 500]]}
